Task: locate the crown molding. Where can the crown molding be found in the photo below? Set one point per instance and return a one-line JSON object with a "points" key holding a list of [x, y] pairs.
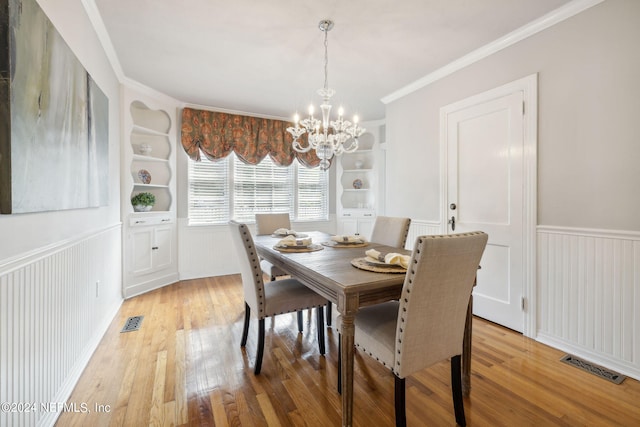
{"points": [[552, 18], [98, 25]]}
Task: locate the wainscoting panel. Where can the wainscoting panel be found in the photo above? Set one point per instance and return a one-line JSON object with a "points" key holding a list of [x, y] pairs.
{"points": [[588, 295], [55, 306], [421, 228]]}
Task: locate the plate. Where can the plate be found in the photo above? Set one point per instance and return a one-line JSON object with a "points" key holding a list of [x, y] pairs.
{"points": [[298, 235], [145, 176], [334, 244], [357, 183], [377, 267], [310, 248], [372, 261]]}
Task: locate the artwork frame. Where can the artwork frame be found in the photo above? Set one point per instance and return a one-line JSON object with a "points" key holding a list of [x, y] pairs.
{"points": [[54, 119]]}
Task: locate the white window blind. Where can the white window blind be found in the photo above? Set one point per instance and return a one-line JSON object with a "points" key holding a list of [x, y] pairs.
{"points": [[209, 195], [262, 188], [313, 194], [229, 188]]}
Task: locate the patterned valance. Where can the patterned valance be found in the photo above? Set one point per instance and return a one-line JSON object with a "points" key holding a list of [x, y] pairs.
{"points": [[251, 138]]}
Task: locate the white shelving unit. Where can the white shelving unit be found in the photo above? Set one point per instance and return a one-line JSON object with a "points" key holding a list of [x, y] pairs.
{"points": [[357, 182], [150, 129], [149, 238]]}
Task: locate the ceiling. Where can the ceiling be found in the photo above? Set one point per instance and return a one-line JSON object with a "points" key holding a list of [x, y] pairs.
{"points": [[266, 57]]}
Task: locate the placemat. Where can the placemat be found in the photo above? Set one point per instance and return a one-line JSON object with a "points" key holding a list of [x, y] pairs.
{"points": [[292, 249], [334, 244], [362, 264]]}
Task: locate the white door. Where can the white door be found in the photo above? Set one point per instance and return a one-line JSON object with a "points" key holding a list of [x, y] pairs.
{"points": [[484, 147]]}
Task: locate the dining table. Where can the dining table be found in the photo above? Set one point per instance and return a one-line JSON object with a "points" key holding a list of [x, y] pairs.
{"points": [[328, 270]]}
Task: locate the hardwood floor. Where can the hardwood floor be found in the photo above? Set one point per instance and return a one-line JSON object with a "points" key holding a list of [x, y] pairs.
{"points": [[185, 367]]}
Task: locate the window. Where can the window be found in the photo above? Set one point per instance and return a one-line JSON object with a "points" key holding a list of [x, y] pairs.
{"points": [[229, 188]]}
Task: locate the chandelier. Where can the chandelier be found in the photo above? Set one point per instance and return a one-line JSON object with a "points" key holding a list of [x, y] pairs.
{"points": [[326, 137]]}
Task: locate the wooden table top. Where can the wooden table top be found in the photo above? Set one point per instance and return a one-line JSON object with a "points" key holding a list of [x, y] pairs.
{"points": [[330, 273]]}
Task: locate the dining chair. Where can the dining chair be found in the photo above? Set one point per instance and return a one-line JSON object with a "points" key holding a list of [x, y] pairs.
{"points": [[267, 223], [391, 231], [427, 324], [280, 296]]}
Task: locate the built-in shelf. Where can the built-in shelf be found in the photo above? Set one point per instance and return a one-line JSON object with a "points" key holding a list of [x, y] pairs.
{"points": [[356, 207], [149, 238], [142, 158], [151, 145]]}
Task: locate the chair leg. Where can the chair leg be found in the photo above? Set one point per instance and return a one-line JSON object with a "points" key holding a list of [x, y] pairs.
{"points": [[245, 328], [401, 415], [256, 370], [320, 327], [456, 389], [339, 364], [300, 321], [329, 313]]}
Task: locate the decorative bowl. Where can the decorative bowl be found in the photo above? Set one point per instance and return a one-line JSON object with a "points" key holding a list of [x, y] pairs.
{"points": [[357, 183], [144, 149]]}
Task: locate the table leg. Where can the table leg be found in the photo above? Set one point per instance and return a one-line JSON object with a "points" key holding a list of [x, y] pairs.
{"points": [[466, 350], [347, 355]]}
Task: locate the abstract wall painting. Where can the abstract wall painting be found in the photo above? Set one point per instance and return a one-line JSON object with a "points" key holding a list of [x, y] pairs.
{"points": [[54, 137]]}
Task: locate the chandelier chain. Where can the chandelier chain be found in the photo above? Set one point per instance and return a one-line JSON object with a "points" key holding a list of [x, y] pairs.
{"points": [[326, 59]]}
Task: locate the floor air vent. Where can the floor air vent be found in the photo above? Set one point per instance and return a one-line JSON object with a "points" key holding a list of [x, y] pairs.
{"points": [[132, 324], [598, 370]]}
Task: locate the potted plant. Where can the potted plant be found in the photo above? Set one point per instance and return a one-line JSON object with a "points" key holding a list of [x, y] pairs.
{"points": [[143, 202]]}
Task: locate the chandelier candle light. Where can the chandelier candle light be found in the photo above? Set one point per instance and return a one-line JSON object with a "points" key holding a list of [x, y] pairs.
{"points": [[327, 137]]}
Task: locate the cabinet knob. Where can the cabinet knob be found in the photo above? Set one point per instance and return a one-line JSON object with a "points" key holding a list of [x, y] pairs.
{"points": [[153, 248]]}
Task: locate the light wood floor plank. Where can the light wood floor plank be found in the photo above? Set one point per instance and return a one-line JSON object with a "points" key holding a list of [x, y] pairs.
{"points": [[157, 397], [185, 367]]}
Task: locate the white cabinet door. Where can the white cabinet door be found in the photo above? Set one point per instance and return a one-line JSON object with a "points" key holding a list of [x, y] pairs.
{"points": [[365, 227], [161, 250], [348, 226], [140, 255], [151, 249], [361, 226]]}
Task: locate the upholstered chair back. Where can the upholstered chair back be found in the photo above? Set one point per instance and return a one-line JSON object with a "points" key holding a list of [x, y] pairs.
{"points": [[434, 301], [391, 231], [249, 267], [268, 223]]}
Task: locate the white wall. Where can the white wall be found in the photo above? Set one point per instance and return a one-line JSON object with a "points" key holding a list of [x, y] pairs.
{"points": [[60, 272], [589, 101], [22, 233], [588, 173]]}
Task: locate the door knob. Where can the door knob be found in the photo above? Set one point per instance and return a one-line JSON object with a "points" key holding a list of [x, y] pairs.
{"points": [[452, 221], [452, 206]]}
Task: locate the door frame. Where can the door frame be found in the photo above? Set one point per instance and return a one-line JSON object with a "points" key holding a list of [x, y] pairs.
{"points": [[529, 86]]}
